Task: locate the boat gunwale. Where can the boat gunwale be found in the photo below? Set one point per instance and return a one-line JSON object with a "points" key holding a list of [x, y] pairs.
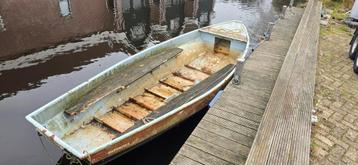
{"points": [[63, 145]]}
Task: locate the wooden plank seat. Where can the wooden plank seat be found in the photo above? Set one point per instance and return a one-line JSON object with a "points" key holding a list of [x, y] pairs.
{"points": [[132, 110], [122, 79], [116, 121], [163, 91], [148, 101], [177, 83], [191, 74]]}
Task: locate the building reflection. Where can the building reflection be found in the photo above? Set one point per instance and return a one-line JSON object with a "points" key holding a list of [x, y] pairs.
{"points": [[158, 20], [52, 22]]}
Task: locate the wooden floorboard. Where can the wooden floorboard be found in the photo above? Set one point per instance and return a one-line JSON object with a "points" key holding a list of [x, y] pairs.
{"points": [[217, 122], [181, 159], [220, 131], [226, 133], [201, 156]]}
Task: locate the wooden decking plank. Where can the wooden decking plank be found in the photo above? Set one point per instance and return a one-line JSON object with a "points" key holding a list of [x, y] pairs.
{"points": [[181, 159], [242, 129], [283, 104], [242, 106], [264, 94], [242, 113], [250, 101], [265, 54], [222, 141], [267, 61], [234, 118], [212, 149], [256, 76], [243, 142], [244, 93], [201, 156], [301, 136], [264, 69], [116, 121], [283, 130], [277, 50]]}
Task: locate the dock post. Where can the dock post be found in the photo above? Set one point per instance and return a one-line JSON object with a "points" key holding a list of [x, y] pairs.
{"points": [[291, 3], [268, 31], [239, 67], [283, 14]]}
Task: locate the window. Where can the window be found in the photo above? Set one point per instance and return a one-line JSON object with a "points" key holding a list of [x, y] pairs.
{"points": [[65, 8], [2, 25]]}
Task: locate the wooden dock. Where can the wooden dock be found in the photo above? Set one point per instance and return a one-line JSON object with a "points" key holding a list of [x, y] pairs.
{"points": [[243, 126]]}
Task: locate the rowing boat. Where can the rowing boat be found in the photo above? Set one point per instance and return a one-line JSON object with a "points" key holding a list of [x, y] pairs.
{"points": [[143, 95]]}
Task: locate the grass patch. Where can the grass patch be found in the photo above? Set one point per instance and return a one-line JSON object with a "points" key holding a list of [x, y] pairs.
{"points": [[338, 7]]}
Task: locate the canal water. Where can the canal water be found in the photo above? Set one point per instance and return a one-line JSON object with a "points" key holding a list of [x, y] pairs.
{"points": [[49, 48]]}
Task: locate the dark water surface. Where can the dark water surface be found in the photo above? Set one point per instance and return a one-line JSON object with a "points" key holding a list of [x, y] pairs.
{"points": [[28, 82]]}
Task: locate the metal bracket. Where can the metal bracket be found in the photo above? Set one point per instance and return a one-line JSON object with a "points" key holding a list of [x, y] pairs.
{"points": [[238, 71], [283, 13]]}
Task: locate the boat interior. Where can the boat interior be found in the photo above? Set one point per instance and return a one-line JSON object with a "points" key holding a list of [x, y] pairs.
{"points": [[136, 91]]}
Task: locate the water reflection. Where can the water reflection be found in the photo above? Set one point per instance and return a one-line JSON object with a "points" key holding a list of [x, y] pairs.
{"points": [[32, 77], [101, 33]]}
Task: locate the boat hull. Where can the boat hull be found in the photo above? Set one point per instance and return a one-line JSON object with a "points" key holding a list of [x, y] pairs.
{"points": [[109, 114], [135, 140]]}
